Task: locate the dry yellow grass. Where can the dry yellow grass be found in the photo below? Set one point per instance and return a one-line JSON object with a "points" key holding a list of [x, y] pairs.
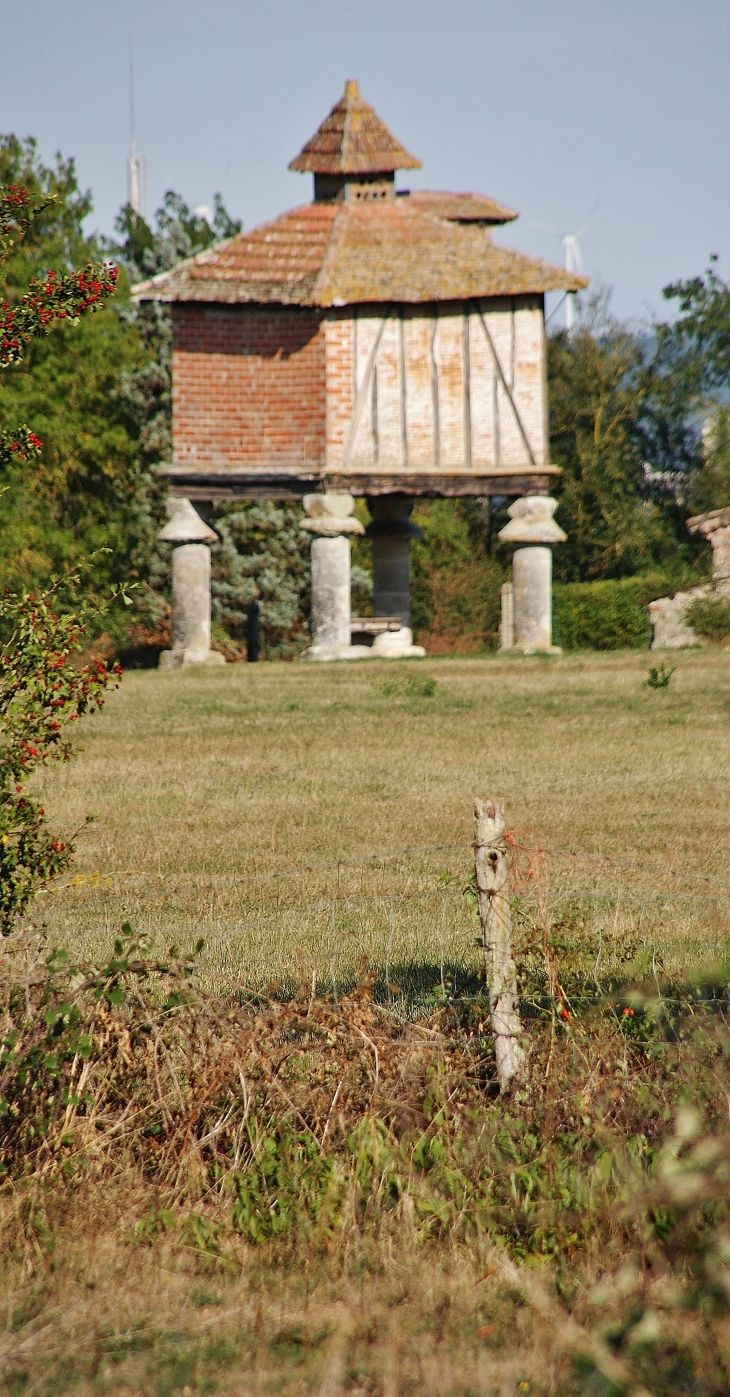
{"points": [[207, 783], [114, 1320]]}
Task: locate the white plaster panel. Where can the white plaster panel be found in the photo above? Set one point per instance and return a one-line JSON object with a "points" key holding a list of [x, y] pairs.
{"points": [[419, 412], [530, 376], [389, 433], [367, 328], [500, 325], [516, 328], [483, 454], [448, 354]]}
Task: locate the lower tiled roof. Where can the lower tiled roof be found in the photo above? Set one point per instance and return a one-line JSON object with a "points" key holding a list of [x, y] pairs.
{"points": [[459, 208], [326, 254]]}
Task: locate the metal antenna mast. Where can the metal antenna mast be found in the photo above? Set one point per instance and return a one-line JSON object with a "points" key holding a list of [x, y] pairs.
{"points": [[136, 164]]}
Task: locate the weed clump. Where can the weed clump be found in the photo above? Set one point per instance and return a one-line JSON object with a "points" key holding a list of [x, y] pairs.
{"points": [[658, 677], [406, 686]]}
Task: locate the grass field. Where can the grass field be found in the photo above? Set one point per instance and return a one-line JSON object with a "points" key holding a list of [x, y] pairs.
{"points": [[239, 804]]}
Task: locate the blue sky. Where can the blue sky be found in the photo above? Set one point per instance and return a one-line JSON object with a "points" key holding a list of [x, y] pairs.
{"points": [[553, 106]]}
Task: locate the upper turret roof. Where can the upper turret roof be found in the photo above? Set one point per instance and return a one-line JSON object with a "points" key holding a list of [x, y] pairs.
{"points": [[353, 140]]}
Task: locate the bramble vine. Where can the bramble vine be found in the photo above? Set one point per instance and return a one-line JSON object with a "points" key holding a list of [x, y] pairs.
{"points": [[42, 691]]}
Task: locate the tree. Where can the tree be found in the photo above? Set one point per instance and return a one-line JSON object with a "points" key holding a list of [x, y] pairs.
{"points": [[695, 350], [70, 489], [42, 688], [614, 431]]}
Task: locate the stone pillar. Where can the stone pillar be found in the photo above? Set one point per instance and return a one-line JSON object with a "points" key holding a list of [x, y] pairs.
{"points": [[532, 527], [190, 538], [329, 520], [391, 532], [715, 527], [507, 622]]}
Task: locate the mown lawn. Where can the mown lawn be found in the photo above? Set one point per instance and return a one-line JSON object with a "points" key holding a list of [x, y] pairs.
{"points": [[206, 784]]}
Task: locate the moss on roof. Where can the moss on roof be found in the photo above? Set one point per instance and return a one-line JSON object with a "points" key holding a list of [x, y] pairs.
{"points": [[353, 140], [341, 254]]}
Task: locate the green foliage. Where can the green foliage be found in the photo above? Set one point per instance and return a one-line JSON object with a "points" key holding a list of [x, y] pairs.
{"points": [[312, 1132], [48, 299], [657, 1323], [263, 555], [407, 686], [72, 492], [42, 690], [54, 1021], [597, 396], [659, 677], [710, 486], [289, 1185], [710, 616], [692, 370], [697, 341], [455, 582], [610, 615], [178, 233]]}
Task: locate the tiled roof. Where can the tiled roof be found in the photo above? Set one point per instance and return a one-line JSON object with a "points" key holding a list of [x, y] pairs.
{"points": [[459, 208], [353, 140], [330, 254]]}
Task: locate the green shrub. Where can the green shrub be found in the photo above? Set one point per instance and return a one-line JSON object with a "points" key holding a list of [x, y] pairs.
{"points": [[455, 581], [608, 615], [710, 616]]}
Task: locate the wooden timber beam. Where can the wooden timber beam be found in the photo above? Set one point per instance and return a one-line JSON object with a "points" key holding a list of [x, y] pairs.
{"points": [[505, 385], [258, 485]]}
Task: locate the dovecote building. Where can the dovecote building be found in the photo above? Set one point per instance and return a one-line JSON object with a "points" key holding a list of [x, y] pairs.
{"points": [[374, 342]]}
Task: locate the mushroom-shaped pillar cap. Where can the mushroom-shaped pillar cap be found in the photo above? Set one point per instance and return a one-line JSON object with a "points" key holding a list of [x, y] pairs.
{"points": [[330, 515], [185, 525], [531, 521]]}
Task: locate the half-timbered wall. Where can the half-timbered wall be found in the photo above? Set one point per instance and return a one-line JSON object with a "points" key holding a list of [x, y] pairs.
{"points": [[449, 388], [454, 388]]}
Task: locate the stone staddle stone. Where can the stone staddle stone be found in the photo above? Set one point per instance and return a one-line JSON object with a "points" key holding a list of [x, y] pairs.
{"points": [[531, 526], [330, 522], [532, 570], [190, 538], [330, 595]]}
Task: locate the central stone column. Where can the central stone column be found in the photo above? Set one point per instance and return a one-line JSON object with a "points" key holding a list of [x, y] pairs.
{"points": [[190, 538], [532, 525], [391, 532]]}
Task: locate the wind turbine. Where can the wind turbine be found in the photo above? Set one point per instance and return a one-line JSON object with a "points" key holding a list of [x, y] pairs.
{"points": [[573, 260]]}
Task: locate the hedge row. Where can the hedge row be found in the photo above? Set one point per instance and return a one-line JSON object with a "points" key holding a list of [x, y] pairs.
{"points": [[610, 615]]}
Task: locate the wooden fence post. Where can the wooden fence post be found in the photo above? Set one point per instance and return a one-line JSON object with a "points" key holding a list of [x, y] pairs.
{"points": [[492, 860]]}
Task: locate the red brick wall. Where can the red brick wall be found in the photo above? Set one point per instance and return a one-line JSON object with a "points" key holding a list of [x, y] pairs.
{"points": [[248, 387], [340, 386]]}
